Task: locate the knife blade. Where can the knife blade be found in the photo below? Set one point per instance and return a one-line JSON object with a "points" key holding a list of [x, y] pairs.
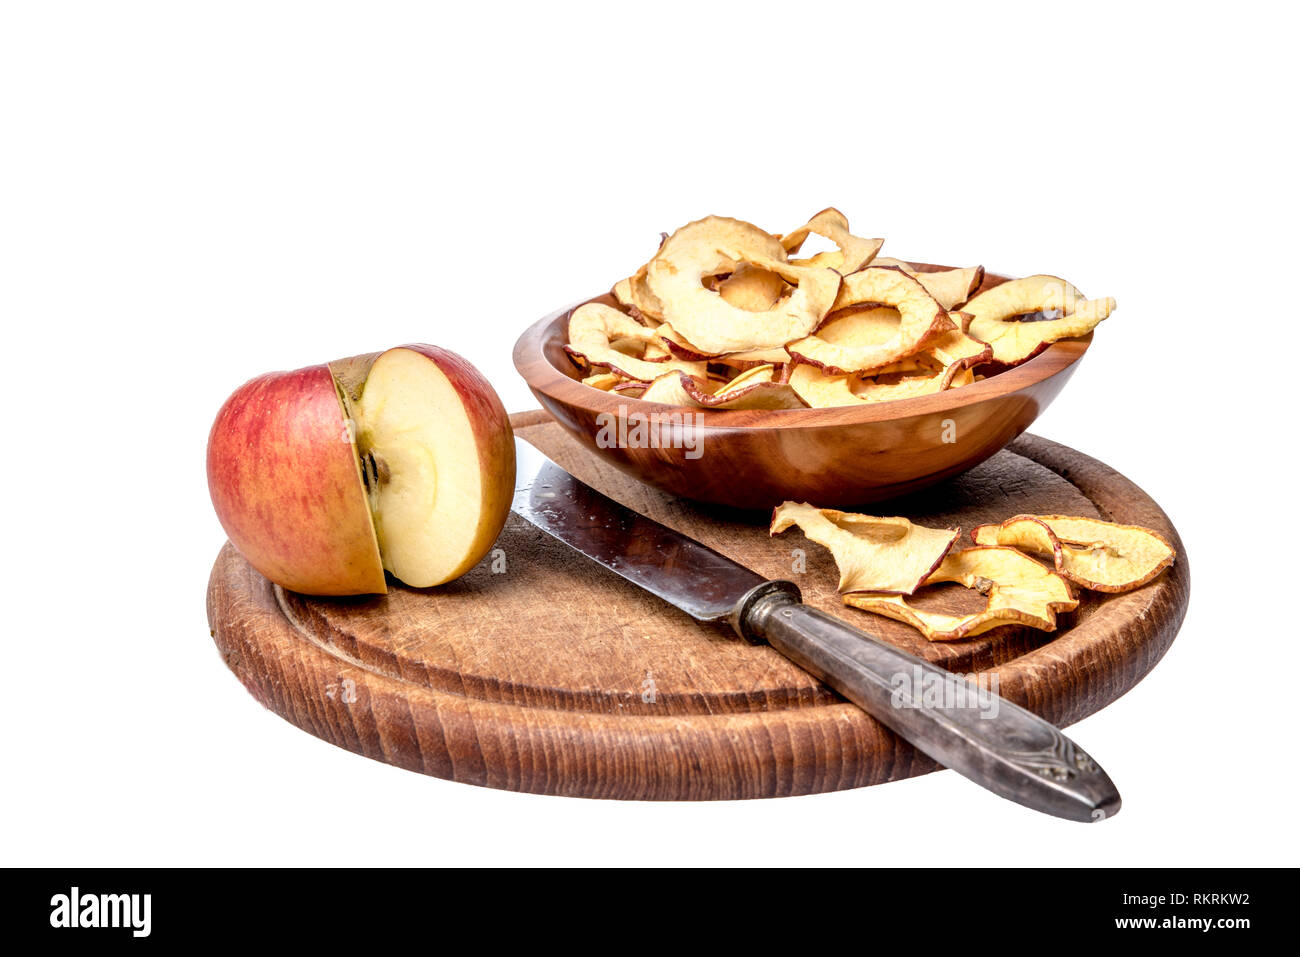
{"points": [[964, 726]]}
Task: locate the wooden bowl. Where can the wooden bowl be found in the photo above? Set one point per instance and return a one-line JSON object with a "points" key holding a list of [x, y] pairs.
{"points": [[756, 459]]}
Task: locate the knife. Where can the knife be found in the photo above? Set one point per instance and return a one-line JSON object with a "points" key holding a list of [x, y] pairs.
{"points": [[997, 744]]}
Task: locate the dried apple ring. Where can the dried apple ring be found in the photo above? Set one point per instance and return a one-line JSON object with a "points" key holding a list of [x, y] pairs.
{"points": [[682, 349], [635, 294], [755, 357], [753, 289], [759, 388], [1019, 590], [821, 390], [950, 287], [873, 554], [594, 326], [994, 316], [909, 386], [853, 254], [630, 389], [668, 390], [1100, 556], [958, 352], [712, 246], [604, 381], [921, 320], [946, 365], [863, 326]]}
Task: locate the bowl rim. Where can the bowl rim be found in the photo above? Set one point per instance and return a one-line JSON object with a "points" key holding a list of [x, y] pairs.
{"points": [[543, 377]]}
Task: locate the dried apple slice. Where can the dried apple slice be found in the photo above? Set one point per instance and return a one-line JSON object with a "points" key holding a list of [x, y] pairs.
{"points": [[821, 390], [634, 293], [677, 346], [947, 364], [656, 350], [659, 349], [873, 554], [668, 389], [959, 352], [759, 388], [1100, 556], [604, 381], [921, 319], [994, 316], [681, 349], [950, 287], [869, 326], [909, 385], [862, 326], [853, 254], [753, 289], [593, 328], [712, 246], [1019, 590], [755, 357], [639, 346], [922, 363], [763, 373]]}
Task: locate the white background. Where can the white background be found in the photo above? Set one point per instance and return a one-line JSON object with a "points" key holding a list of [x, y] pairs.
{"points": [[193, 194]]}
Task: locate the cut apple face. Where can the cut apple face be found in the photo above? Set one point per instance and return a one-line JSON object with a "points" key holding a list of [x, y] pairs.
{"points": [[439, 470]]}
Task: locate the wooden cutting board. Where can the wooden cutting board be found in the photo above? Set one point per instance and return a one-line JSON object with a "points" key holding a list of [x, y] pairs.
{"points": [[540, 671]]}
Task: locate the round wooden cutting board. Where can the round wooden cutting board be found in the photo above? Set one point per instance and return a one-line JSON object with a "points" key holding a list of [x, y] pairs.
{"points": [[540, 671]]}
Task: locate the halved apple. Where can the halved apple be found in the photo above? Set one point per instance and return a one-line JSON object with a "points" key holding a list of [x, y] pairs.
{"points": [[325, 477], [438, 460], [285, 483]]}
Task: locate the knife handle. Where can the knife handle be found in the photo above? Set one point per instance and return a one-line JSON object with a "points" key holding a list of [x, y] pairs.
{"points": [[962, 725]]}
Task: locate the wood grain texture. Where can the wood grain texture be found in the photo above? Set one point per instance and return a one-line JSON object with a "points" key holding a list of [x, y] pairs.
{"points": [[537, 678], [836, 457]]}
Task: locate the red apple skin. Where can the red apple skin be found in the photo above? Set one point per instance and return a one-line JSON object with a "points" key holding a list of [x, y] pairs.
{"points": [[493, 436], [284, 480]]}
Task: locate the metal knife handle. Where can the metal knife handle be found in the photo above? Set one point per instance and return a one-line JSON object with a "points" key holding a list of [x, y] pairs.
{"points": [[995, 743]]}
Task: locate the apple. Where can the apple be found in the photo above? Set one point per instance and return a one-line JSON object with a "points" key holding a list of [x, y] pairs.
{"points": [[327, 476], [286, 483]]}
